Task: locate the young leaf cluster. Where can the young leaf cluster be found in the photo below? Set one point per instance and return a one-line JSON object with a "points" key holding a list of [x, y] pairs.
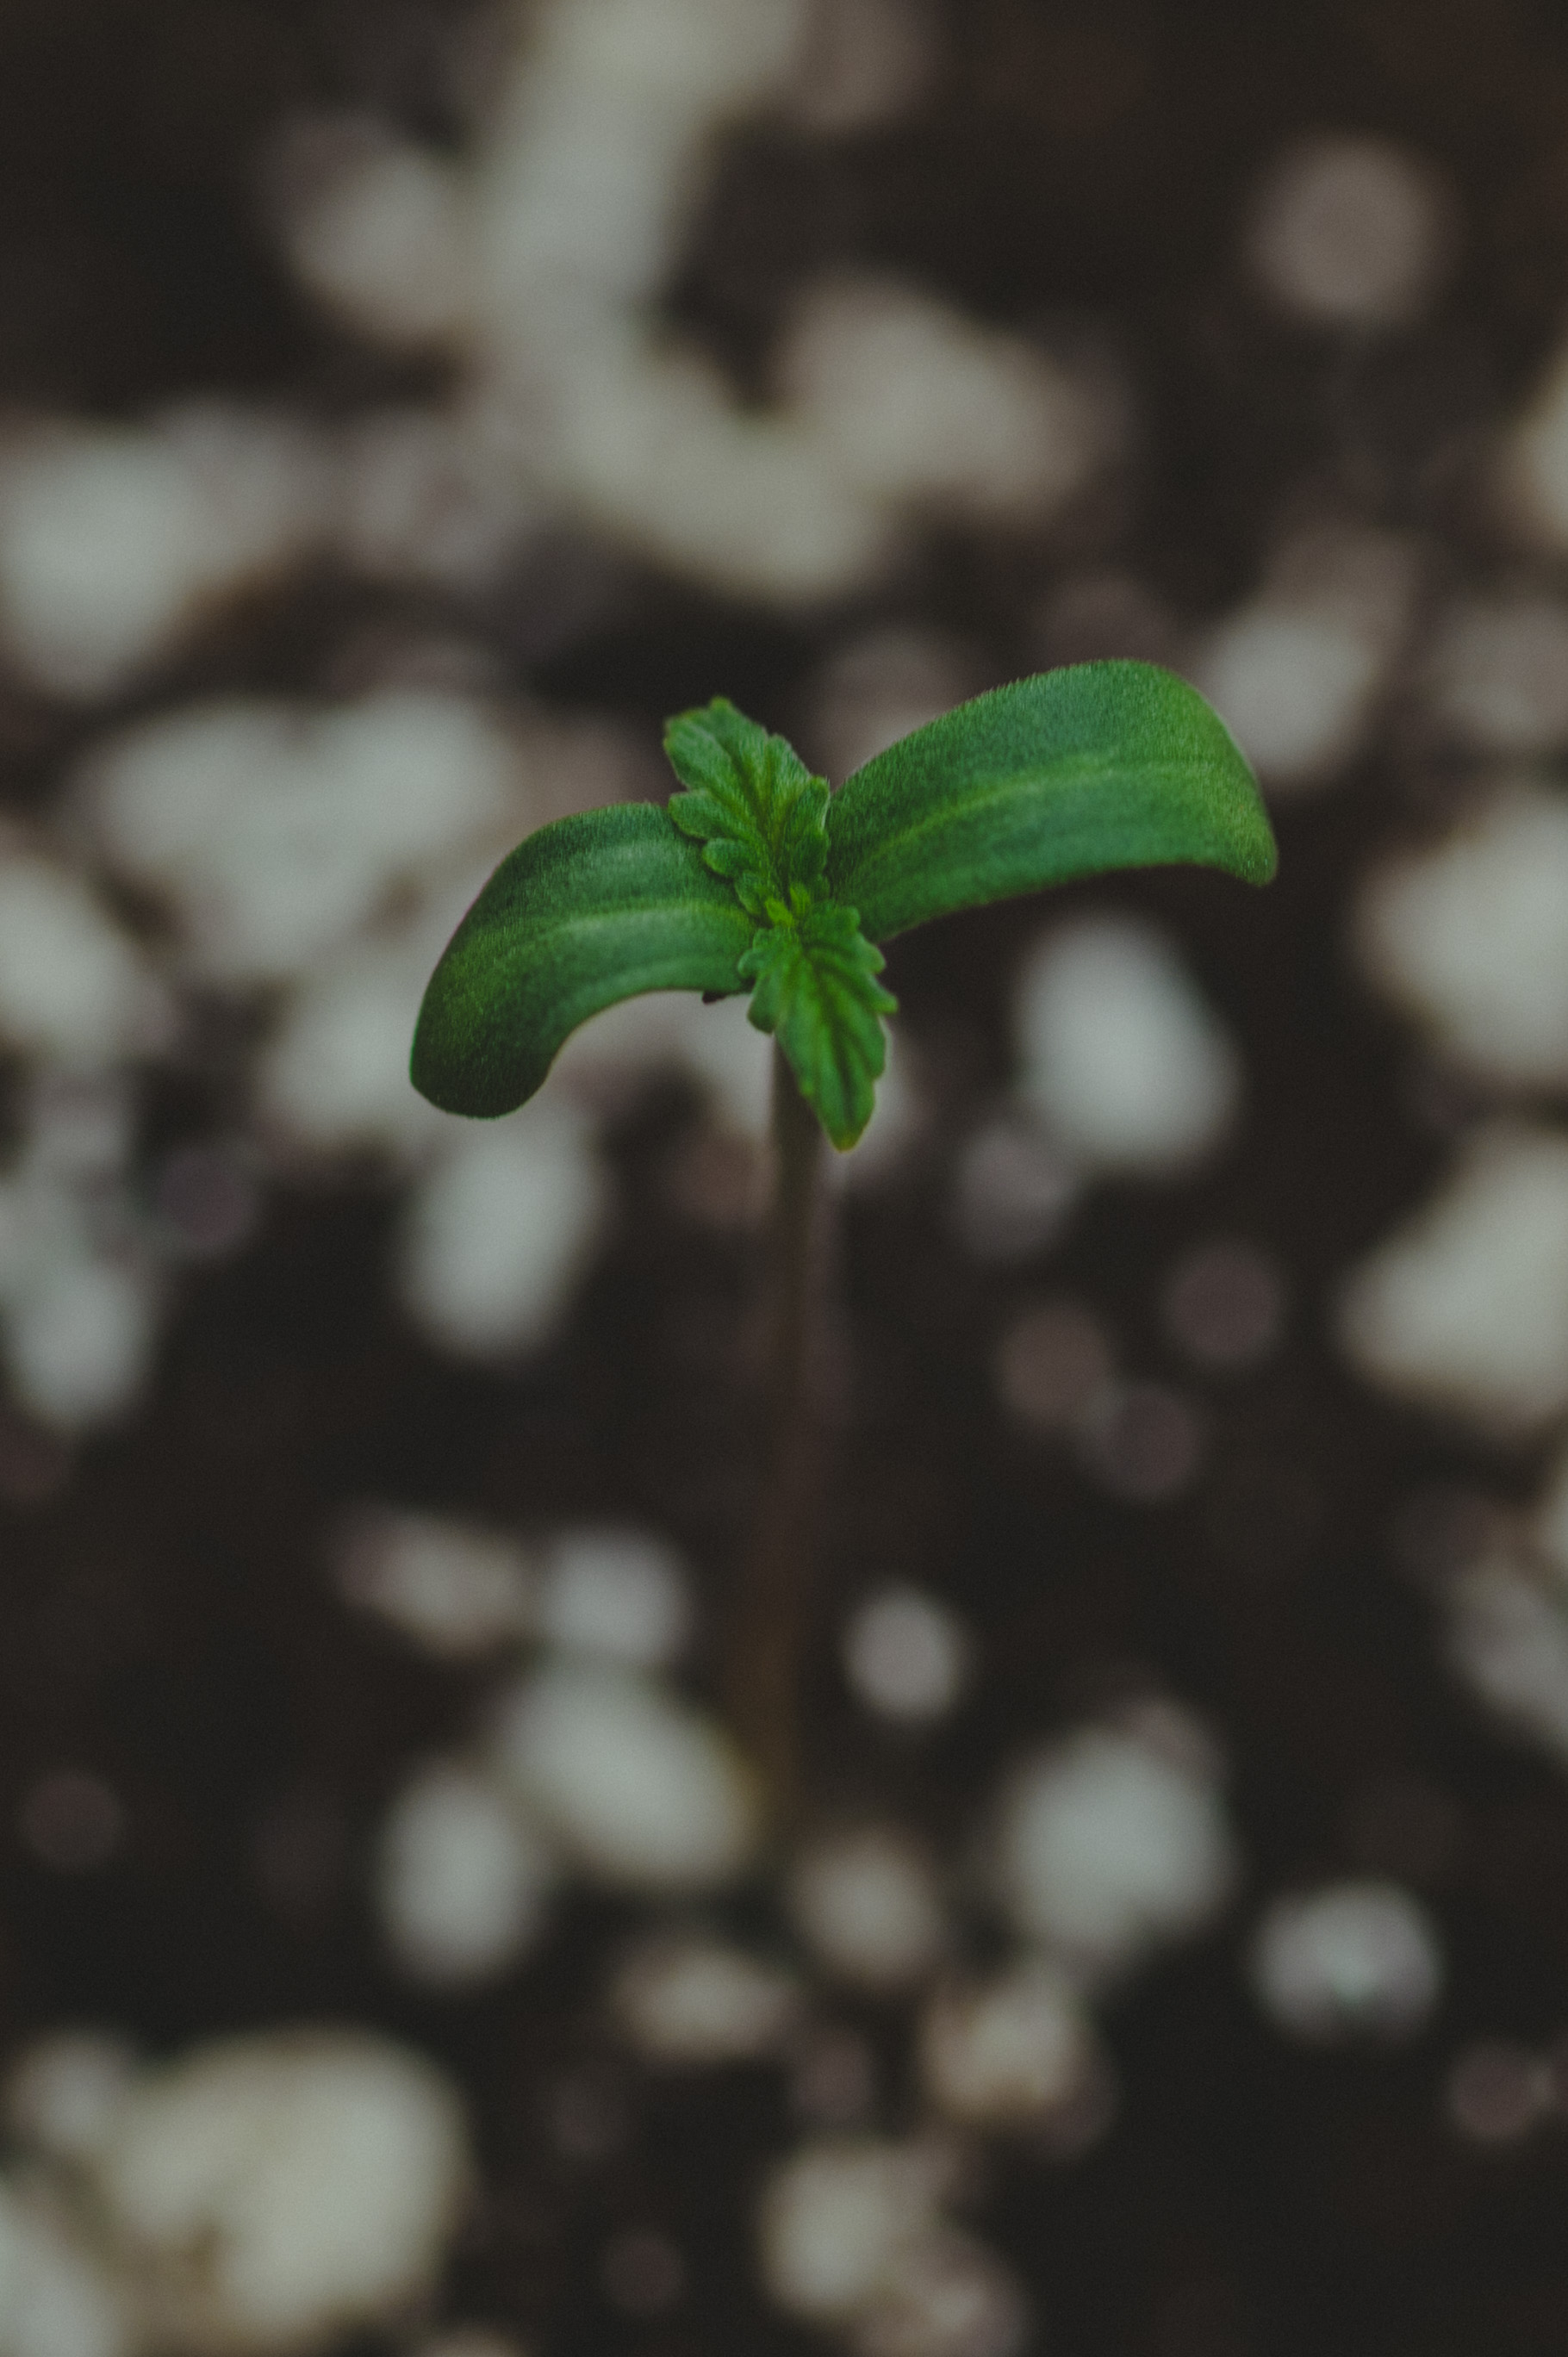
{"points": [[749, 800], [761, 819], [757, 878]]}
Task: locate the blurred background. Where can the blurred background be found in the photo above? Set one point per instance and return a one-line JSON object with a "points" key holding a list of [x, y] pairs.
{"points": [[404, 406]]}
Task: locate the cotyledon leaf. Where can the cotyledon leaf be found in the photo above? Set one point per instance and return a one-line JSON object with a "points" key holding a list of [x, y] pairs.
{"points": [[1070, 773], [588, 911]]}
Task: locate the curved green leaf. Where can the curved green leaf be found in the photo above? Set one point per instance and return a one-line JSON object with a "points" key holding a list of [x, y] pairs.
{"points": [[1100, 766], [590, 909]]}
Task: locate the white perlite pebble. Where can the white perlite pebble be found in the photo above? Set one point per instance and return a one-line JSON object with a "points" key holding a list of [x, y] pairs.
{"points": [[853, 2238], [79, 1290], [838, 2219], [646, 438], [61, 2093], [867, 1905], [456, 1590], [272, 831], [1498, 676], [1533, 464], [642, 1791], [1296, 672], [1357, 1960], [907, 1656], [376, 229], [1507, 1640], [1009, 2051], [116, 542], [688, 1999], [589, 178], [463, 1884], [1107, 1849], [1351, 231], [285, 2187], [653, 450], [620, 1593], [1295, 689], [538, 268], [79, 1330], [499, 1234], [951, 2297], [1119, 1054], [1470, 936], [56, 2297], [1464, 1307], [333, 1077], [74, 987], [918, 404]]}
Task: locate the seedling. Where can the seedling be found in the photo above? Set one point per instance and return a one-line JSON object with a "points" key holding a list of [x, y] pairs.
{"points": [[756, 877]]}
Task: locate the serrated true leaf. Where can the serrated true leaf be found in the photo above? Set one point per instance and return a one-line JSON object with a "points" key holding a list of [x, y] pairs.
{"points": [[589, 910], [1071, 773], [817, 992], [751, 803]]}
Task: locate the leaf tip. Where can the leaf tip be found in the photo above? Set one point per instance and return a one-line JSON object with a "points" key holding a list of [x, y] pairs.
{"points": [[1254, 851]]}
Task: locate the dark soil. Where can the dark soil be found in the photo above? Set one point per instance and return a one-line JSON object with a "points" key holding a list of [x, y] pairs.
{"points": [[164, 1618]]}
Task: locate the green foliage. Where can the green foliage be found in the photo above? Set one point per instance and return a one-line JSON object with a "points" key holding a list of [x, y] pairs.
{"points": [[817, 992], [761, 819], [752, 803], [588, 911], [758, 875], [1071, 773]]}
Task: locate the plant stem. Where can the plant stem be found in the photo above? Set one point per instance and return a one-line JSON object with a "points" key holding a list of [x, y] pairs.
{"points": [[772, 1615]]}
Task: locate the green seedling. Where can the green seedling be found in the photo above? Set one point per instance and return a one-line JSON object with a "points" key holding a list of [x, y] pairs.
{"points": [[757, 878]]}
